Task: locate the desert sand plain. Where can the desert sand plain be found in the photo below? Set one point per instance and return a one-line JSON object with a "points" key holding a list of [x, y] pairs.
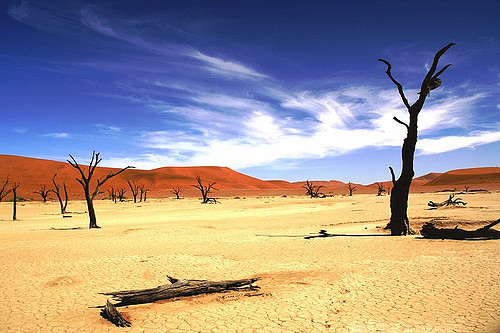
{"points": [[365, 281]]}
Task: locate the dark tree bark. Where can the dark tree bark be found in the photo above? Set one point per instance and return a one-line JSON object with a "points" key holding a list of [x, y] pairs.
{"points": [[57, 192], [134, 188], [178, 288], [399, 223], [44, 193], [84, 180], [176, 191], [430, 231], [14, 200], [110, 313], [3, 191], [205, 190], [351, 188]]}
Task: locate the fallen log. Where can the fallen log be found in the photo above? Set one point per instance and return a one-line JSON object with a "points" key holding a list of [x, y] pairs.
{"points": [[110, 313], [178, 288], [448, 202], [429, 230]]}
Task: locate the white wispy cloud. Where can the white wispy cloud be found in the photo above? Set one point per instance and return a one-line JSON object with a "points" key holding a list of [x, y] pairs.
{"points": [[448, 143], [59, 135], [228, 69]]}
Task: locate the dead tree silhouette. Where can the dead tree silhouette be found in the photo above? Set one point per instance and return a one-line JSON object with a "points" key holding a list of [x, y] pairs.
{"points": [[112, 194], [57, 191], [143, 194], [399, 223], [380, 189], [312, 190], [84, 180], [205, 190], [350, 188], [120, 194], [44, 193], [134, 188], [176, 191], [3, 191], [14, 200]]}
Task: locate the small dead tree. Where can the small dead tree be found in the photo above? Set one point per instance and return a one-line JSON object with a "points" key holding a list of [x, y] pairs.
{"points": [[451, 201], [176, 191], [350, 186], [399, 223], [205, 190], [380, 189], [85, 179], [466, 188], [134, 188], [112, 194], [43, 192], [57, 191], [4, 191], [143, 194], [14, 200], [120, 194], [312, 190]]}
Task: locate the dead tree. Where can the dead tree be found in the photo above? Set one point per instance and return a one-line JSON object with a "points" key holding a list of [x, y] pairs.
{"points": [[14, 200], [351, 188], [120, 194], [176, 191], [143, 194], [205, 190], [112, 194], [43, 192], [84, 180], [466, 188], [57, 191], [451, 201], [430, 231], [380, 189], [178, 288], [3, 191], [399, 223], [313, 191], [134, 188]]}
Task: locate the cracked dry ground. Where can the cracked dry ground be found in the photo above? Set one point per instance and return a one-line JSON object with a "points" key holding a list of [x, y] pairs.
{"points": [[50, 279]]}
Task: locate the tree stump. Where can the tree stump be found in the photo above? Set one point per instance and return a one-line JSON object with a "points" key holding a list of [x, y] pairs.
{"points": [[110, 313]]}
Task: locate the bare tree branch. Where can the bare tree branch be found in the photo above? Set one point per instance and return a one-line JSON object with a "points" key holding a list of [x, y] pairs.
{"points": [[401, 122], [393, 177], [400, 87]]}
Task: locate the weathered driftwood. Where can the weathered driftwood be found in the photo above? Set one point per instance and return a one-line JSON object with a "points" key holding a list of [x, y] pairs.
{"points": [[448, 202], [178, 288], [110, 313], [429, 230]]}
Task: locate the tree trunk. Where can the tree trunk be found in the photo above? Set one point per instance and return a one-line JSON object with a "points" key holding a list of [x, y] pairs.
{"points": [[177, 288], [14, 208], [90, 208], [430, 231]]}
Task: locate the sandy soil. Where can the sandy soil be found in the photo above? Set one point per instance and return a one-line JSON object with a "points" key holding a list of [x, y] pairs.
{"points": [[51, 279]]}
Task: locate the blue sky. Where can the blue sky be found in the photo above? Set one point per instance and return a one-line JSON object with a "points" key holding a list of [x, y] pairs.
{"points": [[275, 89]]}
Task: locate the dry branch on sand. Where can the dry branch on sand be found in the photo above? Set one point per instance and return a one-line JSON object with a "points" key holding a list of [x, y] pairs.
{"points": [[430, 231], [448, 202], [177, 288]]}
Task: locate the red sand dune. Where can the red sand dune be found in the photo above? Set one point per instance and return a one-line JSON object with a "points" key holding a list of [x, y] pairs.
{"points": [[32, 172], [468, 177]]}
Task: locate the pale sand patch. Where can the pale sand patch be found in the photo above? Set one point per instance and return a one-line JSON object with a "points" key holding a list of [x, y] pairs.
{"points": [[50, 279]]}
